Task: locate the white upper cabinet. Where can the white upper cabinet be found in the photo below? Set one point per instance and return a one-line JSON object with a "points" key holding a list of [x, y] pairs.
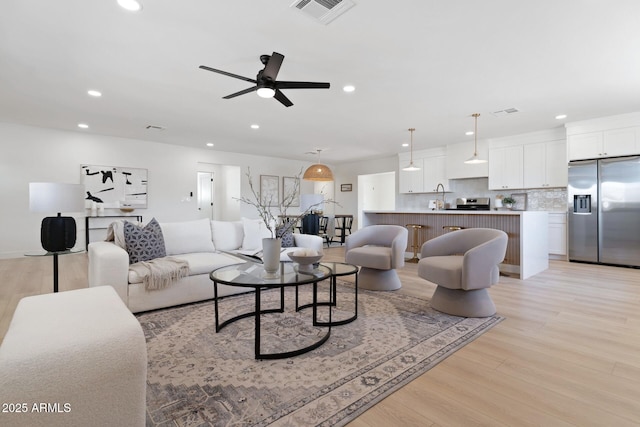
{"points": [[621, 142], [545, 164], [608, 143], [604, 137], [506, 168], [585, 146], [432, 164], [435, 173], [410, 181]]}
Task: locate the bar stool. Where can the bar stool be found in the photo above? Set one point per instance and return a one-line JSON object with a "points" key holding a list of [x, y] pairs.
{"points": [[415, 245], [448, 228]]}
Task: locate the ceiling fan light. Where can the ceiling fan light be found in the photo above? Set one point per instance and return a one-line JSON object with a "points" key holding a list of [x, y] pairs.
{"points": [[130, 5], [318, 172], [266, 92]]}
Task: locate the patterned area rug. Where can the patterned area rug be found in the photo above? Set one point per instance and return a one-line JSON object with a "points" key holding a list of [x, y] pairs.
{"points": [[197, 377]]}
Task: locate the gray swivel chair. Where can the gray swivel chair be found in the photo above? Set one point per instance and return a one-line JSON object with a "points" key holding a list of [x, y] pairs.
{"points": [[463, 264], [378, 250]]}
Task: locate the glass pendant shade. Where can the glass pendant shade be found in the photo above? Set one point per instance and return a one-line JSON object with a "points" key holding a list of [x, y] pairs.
{"points": [[475, 160]]}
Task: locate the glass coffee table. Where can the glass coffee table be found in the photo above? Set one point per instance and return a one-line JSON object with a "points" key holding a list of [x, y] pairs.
{"points": [[338, 269], [252, 275]]}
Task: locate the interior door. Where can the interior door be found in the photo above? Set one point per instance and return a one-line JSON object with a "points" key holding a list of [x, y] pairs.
{"points": [[205, 194]]}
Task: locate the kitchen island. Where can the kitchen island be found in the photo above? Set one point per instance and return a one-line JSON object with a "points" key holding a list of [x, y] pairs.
{"points": [[527, 248]]}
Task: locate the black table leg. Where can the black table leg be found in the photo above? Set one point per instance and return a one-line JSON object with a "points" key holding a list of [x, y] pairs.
{"points": [[55, 272]]}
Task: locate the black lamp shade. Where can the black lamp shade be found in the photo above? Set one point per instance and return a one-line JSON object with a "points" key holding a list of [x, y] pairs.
{"points": [[58, 233]]}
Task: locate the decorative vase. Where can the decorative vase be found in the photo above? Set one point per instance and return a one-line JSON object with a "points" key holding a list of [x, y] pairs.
{"points": [[271, 247]]}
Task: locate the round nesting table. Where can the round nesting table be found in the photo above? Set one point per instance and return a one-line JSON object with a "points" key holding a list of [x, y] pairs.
{"points": [[253, 275], [338, 269]]}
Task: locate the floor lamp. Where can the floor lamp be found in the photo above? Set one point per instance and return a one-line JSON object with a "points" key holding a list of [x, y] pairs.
{"points": [[57, 233]]}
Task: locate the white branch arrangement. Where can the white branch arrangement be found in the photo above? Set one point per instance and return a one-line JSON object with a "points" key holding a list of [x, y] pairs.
{"points": [[263, 206]]}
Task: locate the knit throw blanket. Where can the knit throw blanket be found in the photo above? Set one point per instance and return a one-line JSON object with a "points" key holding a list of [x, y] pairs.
{"points": [[160, 272]]}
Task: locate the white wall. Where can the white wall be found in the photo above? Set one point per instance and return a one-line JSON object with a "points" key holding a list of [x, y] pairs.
{"points": [[347, 173], [32, 154]]}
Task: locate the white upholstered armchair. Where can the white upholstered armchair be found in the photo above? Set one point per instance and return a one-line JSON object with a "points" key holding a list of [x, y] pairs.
{"points": [[379, 250], [463, 264]]}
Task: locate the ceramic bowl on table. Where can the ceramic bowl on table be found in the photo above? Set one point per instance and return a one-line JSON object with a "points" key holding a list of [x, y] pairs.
{"points": [[305, 262]]}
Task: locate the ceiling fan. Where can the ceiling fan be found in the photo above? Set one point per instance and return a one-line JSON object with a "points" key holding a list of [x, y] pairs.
{"points": [[266, 84]]}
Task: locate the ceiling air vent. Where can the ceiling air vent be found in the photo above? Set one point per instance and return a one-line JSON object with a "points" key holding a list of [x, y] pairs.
{"points": [[323, 11], [154, 127], [505, 112]]}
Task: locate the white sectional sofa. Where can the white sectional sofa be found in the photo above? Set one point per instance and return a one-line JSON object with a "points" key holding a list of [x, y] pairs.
{"points": [[204, 244]]}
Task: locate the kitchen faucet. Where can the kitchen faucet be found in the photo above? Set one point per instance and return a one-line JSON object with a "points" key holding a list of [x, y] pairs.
{"points": [[438, 189]]}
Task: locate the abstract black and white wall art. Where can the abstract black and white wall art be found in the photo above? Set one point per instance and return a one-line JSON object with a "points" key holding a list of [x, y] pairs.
{"points": [[115, 187]]}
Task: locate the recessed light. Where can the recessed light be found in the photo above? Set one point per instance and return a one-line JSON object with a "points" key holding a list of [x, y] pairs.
{"points": [[83, 126], [405, 144], [469, 133], [209, 144], [561, 116], [131, 5], [349, 88], [255, 126], [95, 93]]}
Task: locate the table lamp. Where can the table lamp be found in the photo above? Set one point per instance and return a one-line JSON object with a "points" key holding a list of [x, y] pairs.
{"points": [[58, 233]]}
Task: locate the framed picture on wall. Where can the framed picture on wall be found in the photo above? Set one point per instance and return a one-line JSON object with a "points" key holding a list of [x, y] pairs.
{"points": [[345, 187], [269, 190], [291, 190], [114, 187]]}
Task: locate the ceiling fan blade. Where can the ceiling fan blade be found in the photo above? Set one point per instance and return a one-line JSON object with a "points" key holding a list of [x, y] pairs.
{"points": [[242, 92], [246, 79], [283, 99], [273, 66], [302, 85]]}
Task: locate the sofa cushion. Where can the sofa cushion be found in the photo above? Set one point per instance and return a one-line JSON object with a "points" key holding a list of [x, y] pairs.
{"points": [[445, 271], [227, 235], [187, 236], [254, 231], [378, 257], [144, 243], [286, 236]]}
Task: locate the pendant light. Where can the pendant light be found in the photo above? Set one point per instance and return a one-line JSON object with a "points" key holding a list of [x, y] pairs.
{"points": [[318, 171], [475, 160], [411, 167]]}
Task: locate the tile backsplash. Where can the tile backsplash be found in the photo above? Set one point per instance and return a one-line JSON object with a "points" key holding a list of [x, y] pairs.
{"points": [[551, 199]]}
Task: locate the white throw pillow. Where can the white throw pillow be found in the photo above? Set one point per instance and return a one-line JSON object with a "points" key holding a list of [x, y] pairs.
{"points": [[227, 235], [187, 237], [254, 231]]}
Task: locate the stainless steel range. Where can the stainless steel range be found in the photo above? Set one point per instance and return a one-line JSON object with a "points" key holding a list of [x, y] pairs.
{"points": [[473, 204]]}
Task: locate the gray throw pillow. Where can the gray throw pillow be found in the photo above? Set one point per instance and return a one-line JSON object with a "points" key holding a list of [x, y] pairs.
{"points": [[287, 238], [144, 243]]}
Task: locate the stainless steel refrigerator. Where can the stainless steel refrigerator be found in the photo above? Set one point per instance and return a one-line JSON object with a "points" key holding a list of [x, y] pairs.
{"points": [[604, 211]]}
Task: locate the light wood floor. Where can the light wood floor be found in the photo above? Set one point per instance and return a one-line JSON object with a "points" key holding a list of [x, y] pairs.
{"points": [[568, 353]]}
